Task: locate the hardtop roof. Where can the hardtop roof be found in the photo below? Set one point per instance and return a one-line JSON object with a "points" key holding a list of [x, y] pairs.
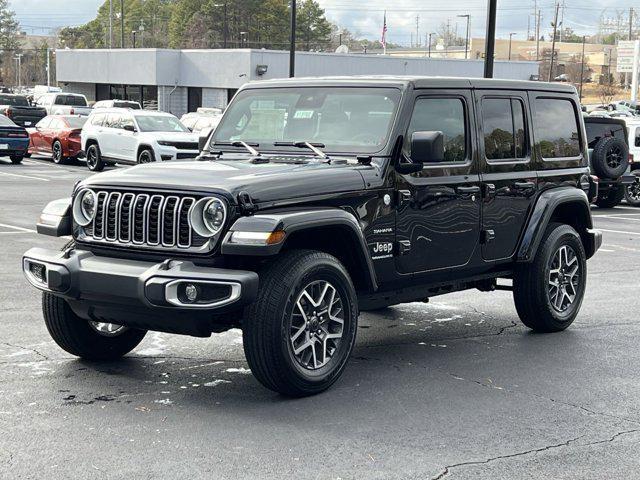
{"points": [[415, 81]]}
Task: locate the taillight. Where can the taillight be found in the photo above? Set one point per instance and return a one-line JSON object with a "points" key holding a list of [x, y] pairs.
{"points": [[72, 112], [7, 112], [74, 134], [18, 135]]}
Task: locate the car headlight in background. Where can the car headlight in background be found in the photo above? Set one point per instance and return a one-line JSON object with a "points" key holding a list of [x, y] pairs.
{"points": [[208, 216], [84, 207]]}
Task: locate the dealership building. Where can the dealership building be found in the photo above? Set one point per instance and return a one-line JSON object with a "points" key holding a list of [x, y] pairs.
{"points": [[180, 81]]}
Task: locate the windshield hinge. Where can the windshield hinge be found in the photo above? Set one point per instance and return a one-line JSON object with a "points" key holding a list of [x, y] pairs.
{"points": [[247, 207]]}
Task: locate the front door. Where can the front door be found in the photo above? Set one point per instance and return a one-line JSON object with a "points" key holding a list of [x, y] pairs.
{"points": [[438, 218], [509, 180]]}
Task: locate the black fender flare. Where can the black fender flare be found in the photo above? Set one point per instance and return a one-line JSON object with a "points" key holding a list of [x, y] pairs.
{"points": [[543, 211], [296, 220]]}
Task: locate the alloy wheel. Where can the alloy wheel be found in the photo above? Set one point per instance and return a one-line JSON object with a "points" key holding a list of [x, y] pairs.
{"points": [[92, 158], [633, 190], [107, 329], [145, 157], [564, 278], [614, 157], [317, 325], [57, 152]]}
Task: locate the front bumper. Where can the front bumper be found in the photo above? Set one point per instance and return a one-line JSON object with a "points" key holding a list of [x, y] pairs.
{"points": [[141, 294], [167, 153]]}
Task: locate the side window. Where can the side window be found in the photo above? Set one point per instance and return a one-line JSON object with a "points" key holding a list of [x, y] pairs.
{"points": [[126, 120], [97, 119], [44, 123], [637, 137], [113, 120], [56, 124], [556, 128], [503, 127], [441, 114]]}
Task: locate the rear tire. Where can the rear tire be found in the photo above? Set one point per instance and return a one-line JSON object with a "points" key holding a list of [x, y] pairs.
{"points": [[16, 159], [57, 153], [94, 158], [298, 344], [76, 336], [611, 198], [548, 300]]}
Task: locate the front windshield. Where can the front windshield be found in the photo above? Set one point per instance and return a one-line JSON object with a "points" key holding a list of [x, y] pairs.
{"points": [[159, 123], [343, 119]]}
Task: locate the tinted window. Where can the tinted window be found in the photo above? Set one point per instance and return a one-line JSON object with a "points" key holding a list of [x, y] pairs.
{"points": [[441, 114], [72, 100], [637, 137], [557, 128], [14, 100], [503, 127], [159, 123], [44, 123], [97, 119], [601, 129]]}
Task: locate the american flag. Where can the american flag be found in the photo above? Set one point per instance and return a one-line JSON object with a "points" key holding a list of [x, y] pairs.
{"points": [[383, 40]]}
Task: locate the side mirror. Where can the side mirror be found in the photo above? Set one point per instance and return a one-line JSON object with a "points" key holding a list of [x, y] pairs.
{"points": [[202, 142], [129, 128], [427, 147]]}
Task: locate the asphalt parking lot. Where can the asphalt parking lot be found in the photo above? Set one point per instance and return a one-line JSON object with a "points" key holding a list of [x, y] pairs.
{"points": [[456, 388]]}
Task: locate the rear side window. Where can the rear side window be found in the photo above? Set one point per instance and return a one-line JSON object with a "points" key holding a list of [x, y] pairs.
{"points": [[503, 128], [557, 134], [441, 114], [97, 119], [598, 129]]}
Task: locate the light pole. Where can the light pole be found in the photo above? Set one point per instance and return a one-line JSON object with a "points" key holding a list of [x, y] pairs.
{"points": [[584, 40], [466, 37], [18, 59], [510, 40], [243, 39], [121, 23], [292, 46], [490, 43], [48, 67], [133, 38], [430, 34], [225, 26]]}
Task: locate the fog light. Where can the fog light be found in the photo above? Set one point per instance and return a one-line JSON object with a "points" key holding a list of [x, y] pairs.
{"points": [[191, 292], [38, 271]]}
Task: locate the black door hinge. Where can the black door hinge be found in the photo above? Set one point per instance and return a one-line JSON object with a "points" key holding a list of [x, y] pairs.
{"points": [[247, 207], [404, 196], [404, 247], [487, 236]]}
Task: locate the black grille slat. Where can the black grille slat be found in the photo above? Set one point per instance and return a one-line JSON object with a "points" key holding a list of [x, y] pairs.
{"points": [[140, 219]]}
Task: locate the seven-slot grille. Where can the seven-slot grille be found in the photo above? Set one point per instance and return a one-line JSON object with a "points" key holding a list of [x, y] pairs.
{"points": [[154, 220]]}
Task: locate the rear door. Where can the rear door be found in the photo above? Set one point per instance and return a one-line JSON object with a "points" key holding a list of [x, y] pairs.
{"points": [[509, 179], [128, 141], [438, 217]]}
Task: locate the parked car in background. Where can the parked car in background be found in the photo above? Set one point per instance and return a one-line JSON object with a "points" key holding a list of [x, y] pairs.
{"points": [[632, 191], [117, 104], [120, 135], [19, 110], [57, 136], [14, 140], [608, 158], [64, 104], [625, 106], [201, 123]]}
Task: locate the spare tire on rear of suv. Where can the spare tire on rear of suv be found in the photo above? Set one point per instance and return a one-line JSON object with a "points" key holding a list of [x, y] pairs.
{"points": [[610, 157]]}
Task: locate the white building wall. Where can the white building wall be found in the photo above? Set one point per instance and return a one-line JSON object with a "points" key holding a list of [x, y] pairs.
{"points": [[86, 89], [214, 97]]}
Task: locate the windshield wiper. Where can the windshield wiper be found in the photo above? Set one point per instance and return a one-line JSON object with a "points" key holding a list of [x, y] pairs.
{"points": [[239, 143], [314, 147]]}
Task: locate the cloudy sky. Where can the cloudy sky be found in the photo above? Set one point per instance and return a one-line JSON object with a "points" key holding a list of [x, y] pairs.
{"points": [[365, 18]]}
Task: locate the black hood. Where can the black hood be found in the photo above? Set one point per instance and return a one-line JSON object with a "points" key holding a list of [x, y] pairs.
{"points": [[265, 182]]}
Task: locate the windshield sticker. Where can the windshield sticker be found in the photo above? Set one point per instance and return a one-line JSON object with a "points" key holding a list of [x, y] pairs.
{"points": [[303, 114]]}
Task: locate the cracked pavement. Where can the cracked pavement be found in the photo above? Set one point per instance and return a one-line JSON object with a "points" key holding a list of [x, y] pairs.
{"points": [[453, 389]]}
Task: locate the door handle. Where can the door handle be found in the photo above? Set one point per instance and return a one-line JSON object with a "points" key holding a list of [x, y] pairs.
{"points": [[524, 185], [468, 190]]}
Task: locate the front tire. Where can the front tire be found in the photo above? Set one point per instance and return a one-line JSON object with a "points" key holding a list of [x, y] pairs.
{"points": [[83, 339], [548, 292], [16, 159], [146, 156], [299, 333], [94, 158]]}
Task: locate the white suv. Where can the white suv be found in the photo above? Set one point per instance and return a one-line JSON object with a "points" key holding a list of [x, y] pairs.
{"points": [[117, 135]]}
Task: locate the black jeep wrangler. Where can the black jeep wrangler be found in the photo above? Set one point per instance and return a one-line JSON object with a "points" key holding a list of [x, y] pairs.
{"points": [[609, 159], [316, 199]]}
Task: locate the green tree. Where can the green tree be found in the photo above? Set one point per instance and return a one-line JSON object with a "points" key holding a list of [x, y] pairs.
{"points": [[312, 28]]}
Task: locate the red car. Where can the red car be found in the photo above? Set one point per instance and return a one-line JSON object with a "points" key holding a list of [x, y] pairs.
{"points": [[57, 136]]}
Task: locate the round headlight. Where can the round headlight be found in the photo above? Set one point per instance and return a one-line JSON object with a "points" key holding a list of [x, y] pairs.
{"points": [[208, 216], [84, 207]]}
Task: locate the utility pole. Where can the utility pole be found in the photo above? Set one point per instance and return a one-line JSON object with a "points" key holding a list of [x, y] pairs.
{"points": [[417, 31], [18, 58], [466, 36], [48, 67], [626, 75], [292, 46], [490, 42], [430, 44], [121, 23], [562, 20], [510, 40], [553, 43], [110, 23], [584, 41]]}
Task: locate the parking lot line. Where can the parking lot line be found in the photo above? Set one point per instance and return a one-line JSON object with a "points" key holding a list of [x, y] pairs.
{"points": [[18, 229], [24, 176], [619, 231]]}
